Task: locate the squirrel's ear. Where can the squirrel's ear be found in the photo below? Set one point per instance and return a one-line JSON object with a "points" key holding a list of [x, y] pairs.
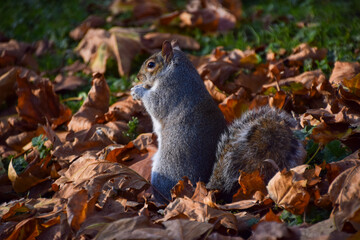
{"points": [[175, 45], [167, 51]]}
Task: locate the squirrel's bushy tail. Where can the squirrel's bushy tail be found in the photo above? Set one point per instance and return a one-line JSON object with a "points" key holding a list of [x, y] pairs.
{"points": [[257, 136]]}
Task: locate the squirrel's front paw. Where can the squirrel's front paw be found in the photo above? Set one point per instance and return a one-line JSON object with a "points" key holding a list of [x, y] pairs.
{"points": [[137, 92]]}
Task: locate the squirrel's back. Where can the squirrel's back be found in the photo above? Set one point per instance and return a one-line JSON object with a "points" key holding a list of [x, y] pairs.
{"points": [[257, 136]]}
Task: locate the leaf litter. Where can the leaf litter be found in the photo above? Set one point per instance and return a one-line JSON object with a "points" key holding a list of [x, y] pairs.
{"points": [[92, 180]]}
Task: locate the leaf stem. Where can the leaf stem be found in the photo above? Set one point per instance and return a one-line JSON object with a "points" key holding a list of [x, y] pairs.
{"points": [[317, 150]]}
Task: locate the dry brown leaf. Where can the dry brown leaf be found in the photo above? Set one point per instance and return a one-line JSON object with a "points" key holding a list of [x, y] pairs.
{"points": [[201, 194], [274, 230], [99, 58], [155, 40], [239, 205], [119, 6], [136, 154], [234, 7], [323, 230], [249, 184], [95, 106], [38, 103], [36, 172], [17, 53], [344, 71], [148, 9], [349, 99], [288, 189], [218, 236], [344, 193], [124, 46], [91, 41], [324, 133], [110, 179], [215, 93], [278, 100], [32, 217], [132, 228], [140, 228], [307, 79], [196, 211], [167, 18], [335, 168], [303, 52], [209, 16], [182, 188], [253, 81], [18, 141], [90, 22], [184, 229], [79, 207], [218, 72], [98, 45], [78, 143], [68, 82], [235, 105], [7, 84]]}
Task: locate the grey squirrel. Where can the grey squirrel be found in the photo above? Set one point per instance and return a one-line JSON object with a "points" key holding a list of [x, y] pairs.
{"points": [[193, 137]]}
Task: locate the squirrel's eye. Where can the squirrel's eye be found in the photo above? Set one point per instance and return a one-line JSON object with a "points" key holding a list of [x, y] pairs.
{"points": [[151, 64]]}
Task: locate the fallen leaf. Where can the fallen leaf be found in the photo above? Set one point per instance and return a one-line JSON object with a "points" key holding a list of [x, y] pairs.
{"points": [[184, 229], [17, 53], [235, 105], [167, 18], [148, 9], [323, 230], [335, 168], [77, 143], [215, 93], [196, 211], [288, 189], [7, 84], [107, 178], [124, 46], [79, 207], [37, 171], [218, 72], [201, 194], [343, 71], [132, 228], [182, 188], [38, 103], [209, 16], [137, 154], [249, 184], [303, 52], [306, 79], [155, 40], [253, 81], [18, 141], [90, 22], [239, 205], [68, 83], [275, 230], [89, 44], [95, 105], [344, 193]]}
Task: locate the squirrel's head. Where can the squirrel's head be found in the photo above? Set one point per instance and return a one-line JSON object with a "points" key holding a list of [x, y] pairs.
{"points": [[157, 64]]}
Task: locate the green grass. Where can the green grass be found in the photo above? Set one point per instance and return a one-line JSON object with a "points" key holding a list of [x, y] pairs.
{"points": [[330, 24], [272, 24]]}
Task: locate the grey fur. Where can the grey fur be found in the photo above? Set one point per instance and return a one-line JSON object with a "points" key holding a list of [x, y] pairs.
{"points": [[192, 131], [240, 148], [187, 121]]}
